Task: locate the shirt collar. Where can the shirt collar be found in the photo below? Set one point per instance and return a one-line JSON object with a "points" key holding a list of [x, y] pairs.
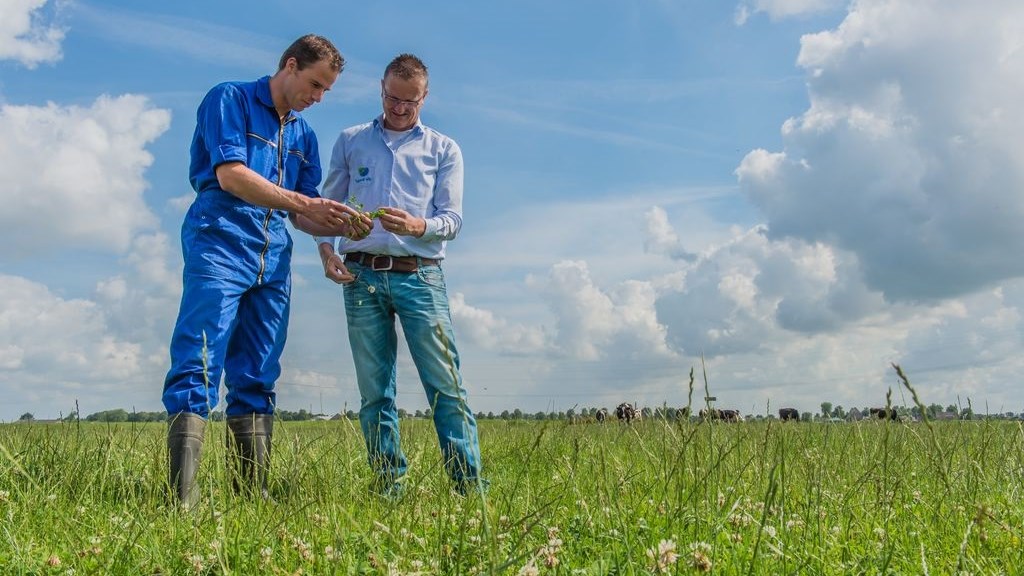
{"points": [[264, 96], [379, 123]]}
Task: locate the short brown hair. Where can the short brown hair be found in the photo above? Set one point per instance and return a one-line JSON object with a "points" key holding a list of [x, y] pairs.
{"points": [[407, 67], [309, 50]]}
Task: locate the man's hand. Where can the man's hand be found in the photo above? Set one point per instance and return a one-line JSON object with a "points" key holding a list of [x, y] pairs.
{"points": [[334, 266], [398, 221], [341, 220]]}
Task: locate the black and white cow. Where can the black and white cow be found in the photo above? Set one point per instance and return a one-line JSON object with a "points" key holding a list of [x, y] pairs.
{"points": [[883, 413], [726, 415], [626, 412], [601, 415]]}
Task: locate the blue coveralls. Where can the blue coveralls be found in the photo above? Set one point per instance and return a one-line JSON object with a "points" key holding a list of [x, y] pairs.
{"points": [[237, 279]]}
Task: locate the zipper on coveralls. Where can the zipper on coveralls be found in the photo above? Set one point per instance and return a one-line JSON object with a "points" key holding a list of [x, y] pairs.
{"points": [[270, 212]]}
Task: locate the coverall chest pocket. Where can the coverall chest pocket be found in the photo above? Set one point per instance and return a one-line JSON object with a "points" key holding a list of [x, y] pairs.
{"points": [[263, 156], [294, 160]]}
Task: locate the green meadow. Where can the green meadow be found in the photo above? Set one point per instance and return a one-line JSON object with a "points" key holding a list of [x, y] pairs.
{"points": [[684, 497]]}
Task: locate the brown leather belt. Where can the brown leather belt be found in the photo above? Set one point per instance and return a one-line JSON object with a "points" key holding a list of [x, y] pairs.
{"points": [[385, 263]]}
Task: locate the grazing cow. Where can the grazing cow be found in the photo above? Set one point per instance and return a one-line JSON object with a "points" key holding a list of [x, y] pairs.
{"points": [[723, 415], [883, 413], [787, 414], [626, 412], [601, 415], [732, 416]]}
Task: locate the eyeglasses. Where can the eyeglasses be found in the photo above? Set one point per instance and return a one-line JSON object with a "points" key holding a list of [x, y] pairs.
{"points": [[398, 102]]}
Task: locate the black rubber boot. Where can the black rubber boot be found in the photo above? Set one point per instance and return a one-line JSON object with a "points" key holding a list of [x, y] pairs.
{"points": [[249, 452], [184, 447]]}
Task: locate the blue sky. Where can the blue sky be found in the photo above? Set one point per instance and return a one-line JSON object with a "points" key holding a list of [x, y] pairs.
{"points": [[801, 192]]}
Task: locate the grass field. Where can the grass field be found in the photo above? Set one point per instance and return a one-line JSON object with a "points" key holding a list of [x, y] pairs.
{"points": [[671, 497]]}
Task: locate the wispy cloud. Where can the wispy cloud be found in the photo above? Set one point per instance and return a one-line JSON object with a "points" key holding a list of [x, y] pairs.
{"points": [[779, 9], [186, 37], [620, 138]]}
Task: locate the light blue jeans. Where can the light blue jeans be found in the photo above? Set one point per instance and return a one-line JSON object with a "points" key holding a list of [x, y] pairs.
{"points": [[420, 301]]}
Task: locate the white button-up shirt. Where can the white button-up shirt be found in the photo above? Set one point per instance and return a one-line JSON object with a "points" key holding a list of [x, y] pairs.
{"points": [[419, 171]]}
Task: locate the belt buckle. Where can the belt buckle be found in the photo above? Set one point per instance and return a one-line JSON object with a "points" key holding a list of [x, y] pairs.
{"points": [[383, 268]]}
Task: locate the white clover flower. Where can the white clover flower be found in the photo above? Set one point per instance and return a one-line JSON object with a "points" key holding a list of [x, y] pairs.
{"points": [[663, 556], [701, 561]]}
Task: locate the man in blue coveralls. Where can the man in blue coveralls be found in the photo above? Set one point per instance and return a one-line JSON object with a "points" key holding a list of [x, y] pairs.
{"points": [[253, 161]]}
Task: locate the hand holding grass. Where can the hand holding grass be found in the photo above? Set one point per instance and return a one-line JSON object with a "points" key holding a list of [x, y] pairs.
{"points": [[394, 220], [400, 222]]}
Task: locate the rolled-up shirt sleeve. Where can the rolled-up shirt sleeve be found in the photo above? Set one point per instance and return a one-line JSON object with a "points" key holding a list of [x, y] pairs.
{"points": [[222, 121]]}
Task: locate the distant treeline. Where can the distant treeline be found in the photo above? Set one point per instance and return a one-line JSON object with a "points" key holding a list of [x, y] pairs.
{"points": [[122, 415], [829, 413]]}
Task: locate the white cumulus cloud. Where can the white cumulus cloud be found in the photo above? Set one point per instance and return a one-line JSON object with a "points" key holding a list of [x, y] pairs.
{"points": [[595, 323], [25, 34], [74, 176], [109, 350], [909, 155], [661, 238], [60, 343], [494, 333]]}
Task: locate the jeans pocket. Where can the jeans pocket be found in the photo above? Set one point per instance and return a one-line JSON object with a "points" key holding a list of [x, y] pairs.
{"points": [[432, 276]]}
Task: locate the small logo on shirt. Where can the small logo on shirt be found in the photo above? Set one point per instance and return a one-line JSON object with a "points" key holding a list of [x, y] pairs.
{"points": [[363, 173]]}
